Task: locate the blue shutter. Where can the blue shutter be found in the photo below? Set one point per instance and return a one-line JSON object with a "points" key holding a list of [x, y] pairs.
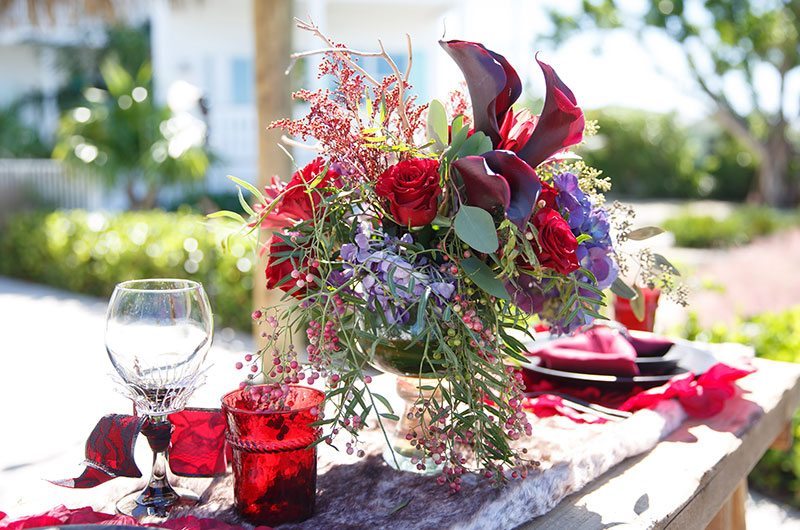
{"points": [[242, 80]]}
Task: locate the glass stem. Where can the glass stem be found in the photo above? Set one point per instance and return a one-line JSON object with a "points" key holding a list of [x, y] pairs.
{"points": [[158, 493]]}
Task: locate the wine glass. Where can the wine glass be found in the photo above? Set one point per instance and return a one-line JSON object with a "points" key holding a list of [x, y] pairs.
{"points": [[158, 333]]}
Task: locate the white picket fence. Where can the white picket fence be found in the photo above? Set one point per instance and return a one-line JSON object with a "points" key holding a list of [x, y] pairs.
{"points": [[50, 182]]}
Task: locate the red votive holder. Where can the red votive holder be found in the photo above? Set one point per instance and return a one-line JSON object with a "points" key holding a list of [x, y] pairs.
{"points": [[274, 469], [623, 313]]}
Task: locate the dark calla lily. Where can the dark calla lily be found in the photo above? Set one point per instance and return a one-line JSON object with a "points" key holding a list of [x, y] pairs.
{"points": [[560, 124], [500, 182], [493, 84], [483, 187]]}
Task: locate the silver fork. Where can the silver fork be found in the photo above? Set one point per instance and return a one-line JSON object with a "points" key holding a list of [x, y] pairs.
{"points": [[585, 406]]}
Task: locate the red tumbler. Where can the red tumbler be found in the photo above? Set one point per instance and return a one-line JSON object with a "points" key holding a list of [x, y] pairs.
{"points": [[624, 314], [274, 469]]}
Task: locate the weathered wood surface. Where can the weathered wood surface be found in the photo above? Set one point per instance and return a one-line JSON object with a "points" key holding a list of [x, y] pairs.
{"points": [[685, 480]]}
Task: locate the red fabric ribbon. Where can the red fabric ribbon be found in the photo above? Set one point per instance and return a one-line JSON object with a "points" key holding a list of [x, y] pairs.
{"points": [[197, 447], [701, 396]]}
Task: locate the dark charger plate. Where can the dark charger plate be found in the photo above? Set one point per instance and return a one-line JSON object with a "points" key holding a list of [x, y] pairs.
{"points": [[647, 380]]}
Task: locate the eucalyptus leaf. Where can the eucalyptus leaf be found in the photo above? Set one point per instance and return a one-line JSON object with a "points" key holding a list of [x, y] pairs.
{"points": [[477, 144], [637, 304], [475, 227], [645, 232], [437, 123], [458, 140], [482, 275], [622, 289], [664, 262]]}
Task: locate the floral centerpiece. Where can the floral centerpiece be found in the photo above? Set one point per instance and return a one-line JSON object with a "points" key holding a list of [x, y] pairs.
{"points": [[424, 241]]}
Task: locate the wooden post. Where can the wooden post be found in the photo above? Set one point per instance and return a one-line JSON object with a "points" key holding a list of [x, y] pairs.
{"points": [[731, 516], [272, 24]]}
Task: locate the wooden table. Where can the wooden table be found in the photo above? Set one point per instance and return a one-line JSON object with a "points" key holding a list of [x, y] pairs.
{"points": [[695, 478]]}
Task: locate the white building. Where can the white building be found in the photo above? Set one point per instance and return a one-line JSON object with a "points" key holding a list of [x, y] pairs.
{"points": [[208, 44]]}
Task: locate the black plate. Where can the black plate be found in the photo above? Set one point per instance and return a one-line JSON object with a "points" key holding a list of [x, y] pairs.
{"points": [[602, 381], [656, 365]]}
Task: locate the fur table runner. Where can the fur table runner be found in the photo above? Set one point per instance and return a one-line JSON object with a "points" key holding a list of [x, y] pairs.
{"points": [[366, 493]]}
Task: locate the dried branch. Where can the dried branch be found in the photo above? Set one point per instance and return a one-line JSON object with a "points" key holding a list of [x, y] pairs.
{"points": [[346, 53], [410, 57], [401, 85], [342, 53], [300, 145]]}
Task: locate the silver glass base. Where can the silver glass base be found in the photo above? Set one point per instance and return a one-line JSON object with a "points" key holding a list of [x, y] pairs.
{"points": [[131, 505]]}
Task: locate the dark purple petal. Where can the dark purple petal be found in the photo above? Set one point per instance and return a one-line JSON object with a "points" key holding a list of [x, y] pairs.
{"points": [[483, 187], [522, 181], [560, 124], [493, 84]]}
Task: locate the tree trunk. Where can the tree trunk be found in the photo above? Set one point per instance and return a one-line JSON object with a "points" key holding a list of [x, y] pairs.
{"points": [[773, 187], [144, 202], [272, 21]]}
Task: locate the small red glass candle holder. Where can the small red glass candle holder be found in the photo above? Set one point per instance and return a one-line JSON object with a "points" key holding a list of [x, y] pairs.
{"points": [[623, 313], [274, 467]]}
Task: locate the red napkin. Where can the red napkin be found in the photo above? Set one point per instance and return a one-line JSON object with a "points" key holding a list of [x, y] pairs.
{"points": [[651, 345], [599, 350]]}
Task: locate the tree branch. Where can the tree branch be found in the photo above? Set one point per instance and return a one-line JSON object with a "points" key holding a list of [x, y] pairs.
{"points": [[726, 114]]}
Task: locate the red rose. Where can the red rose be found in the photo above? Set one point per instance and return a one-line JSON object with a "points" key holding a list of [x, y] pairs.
{"points": [[412, 188], [557, 243], [297, 204], [276, 272]]}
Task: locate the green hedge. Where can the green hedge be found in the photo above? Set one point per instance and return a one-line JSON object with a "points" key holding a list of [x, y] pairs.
{"points": [[774, 336], [739, 228], [91, 252], [649, 155]]}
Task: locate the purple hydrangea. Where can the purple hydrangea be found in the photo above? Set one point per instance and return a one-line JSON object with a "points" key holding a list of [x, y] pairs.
{"points": [[594, 254], [390, 277]]}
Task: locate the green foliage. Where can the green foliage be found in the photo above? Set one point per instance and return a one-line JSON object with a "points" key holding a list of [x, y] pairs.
{"points": [[475, 227], [17, 138], [80, 65], [749, 40], [654, 155], [91, 252], [647, 154], [740, 227], [774, 336], [126, 137]]}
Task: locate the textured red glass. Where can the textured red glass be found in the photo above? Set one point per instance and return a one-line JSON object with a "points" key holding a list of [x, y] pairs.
{"points": [[624, 314], [274, 470]]}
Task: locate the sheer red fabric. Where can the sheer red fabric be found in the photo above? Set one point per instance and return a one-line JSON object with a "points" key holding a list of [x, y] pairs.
{"points": [[197, 449]]}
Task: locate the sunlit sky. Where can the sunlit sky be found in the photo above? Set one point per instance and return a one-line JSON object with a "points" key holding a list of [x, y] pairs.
{"points": [[615, 69]]}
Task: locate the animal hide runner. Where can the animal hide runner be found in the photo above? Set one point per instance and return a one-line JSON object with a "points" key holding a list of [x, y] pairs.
{"points": [[365, 493]]}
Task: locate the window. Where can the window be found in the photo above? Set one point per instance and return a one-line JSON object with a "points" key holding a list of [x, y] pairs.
{"points": [[242, 80], [379, 68]]}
